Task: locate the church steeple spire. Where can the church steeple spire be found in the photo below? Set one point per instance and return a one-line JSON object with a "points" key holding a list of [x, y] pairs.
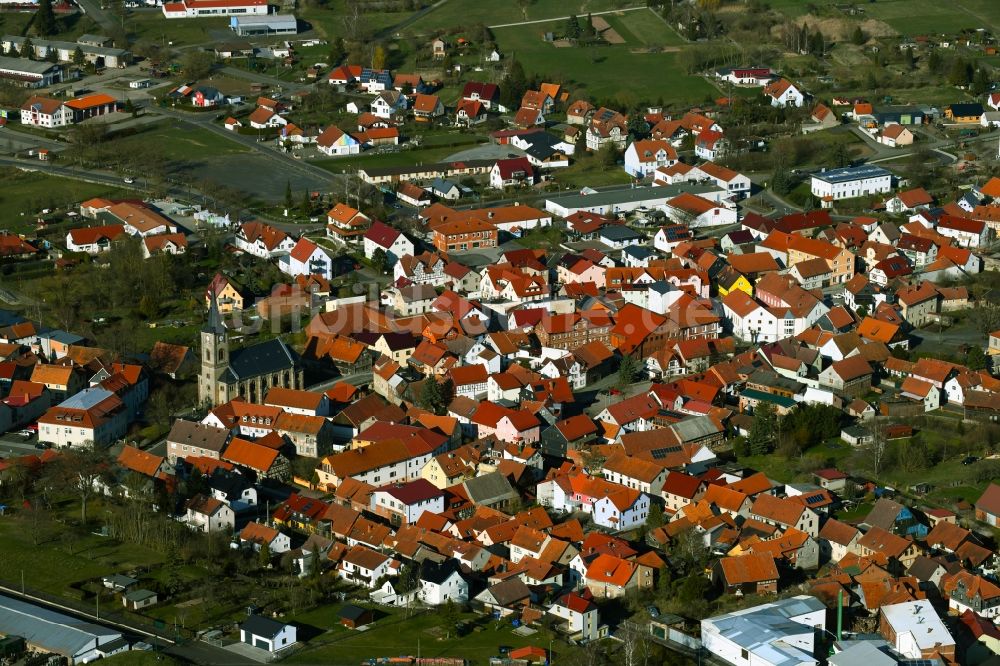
{"points": [[214, 324]]}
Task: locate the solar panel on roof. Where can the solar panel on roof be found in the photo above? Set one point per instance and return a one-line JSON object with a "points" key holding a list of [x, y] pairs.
{"points": [[665, 451]]}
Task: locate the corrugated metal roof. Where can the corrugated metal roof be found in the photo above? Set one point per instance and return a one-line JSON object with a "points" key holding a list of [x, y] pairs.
{"points": [[53, 631]]}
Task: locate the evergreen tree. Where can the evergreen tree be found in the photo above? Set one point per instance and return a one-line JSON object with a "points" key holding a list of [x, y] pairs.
{"points": [[781, 183], [515, 84], [78, 57], [447, 395], [45, 19], [980, 82], [305, 206], [337, 52], [975, 359], [908, 58], [765, 421], [264, 556], [958, 74], [858, 36], [628, 370], [430, 395], [573, 27], [28, 49], [288, 194], [935, 61], [655, 517], [588, 27]]}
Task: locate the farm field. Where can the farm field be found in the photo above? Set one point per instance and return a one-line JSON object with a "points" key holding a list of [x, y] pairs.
{"points": [[328, 20], [597, 71], [468, 13], [914, 17], [644, 28]]}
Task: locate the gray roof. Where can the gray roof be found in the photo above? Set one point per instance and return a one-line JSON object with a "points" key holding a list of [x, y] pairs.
{"points": [[195, 434], [505, 592], [50, 630], [120, 580], [619, 232], [262, 359], [273, 20], [639, 252], [24, 65], [67, 46], [633, 194], [863, 653], [139, 595], [694, 428], [442, 185], [762, 629], [847, 174], [884, 514], [489, 488], [87, 398], [258, 625]]}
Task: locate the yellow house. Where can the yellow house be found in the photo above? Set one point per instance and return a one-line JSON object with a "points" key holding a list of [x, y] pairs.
{"points": [[729, 280], [226, 294], [442, 473]]}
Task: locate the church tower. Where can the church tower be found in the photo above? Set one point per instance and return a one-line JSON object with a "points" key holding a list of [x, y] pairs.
{"points": [[214, 357]]}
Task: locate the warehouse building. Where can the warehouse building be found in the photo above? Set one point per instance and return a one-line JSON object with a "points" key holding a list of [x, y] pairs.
{"points": [[254, 26], [29, 73], [46, 630], [98, 55]]}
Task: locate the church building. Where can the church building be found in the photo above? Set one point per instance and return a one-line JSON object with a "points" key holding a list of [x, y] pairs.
{"points": [[248, 372]]}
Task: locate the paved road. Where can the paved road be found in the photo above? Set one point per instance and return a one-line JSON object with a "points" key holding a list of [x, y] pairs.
{"points": [[103, 18], [563, 18], [31, 140]]}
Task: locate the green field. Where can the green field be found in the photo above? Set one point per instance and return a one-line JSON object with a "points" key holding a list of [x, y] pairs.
{"points": [[14, 23], [154, 27], [644, 28], [610, 72], [180, 141], [468, 13], [402, 158], [914, 17], [394, 635], [24, 194], [329, 22], [51, 567]]}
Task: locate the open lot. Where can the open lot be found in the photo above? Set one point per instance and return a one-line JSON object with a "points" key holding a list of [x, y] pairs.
{"points": [[394, 635], [151, 25], [402, 158], [51, 567], [24, 194], [597, 71], [181, 141]]}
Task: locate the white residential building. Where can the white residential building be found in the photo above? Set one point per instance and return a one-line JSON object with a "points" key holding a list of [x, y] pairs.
{"points": [[307, 258], [850, 182]]}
